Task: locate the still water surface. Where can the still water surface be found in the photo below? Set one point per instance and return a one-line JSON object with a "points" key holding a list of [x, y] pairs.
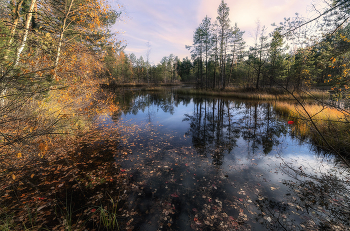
{"points": [[219, 164]]}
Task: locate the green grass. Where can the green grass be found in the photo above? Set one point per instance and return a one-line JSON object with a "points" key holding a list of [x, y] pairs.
{"points": [[32, 217], [6, 223], [108, 216]]}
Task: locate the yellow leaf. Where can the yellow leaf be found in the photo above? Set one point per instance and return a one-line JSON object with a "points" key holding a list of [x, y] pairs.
{"points": [[31, 176], [19, 155], [43, 147], [13, 176]]}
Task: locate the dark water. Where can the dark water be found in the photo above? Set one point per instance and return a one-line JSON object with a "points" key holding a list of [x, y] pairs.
{"points": [[219, 164]]}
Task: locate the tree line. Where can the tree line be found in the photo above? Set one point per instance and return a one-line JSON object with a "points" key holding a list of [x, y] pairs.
{"points": [[124, 68], [298, 53]]}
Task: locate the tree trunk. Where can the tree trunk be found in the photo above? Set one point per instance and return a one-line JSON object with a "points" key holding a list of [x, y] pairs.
{"points": [[15, 23], [164, 74], [214, 72], [288, 77], [201, 63], [258, 78], [224, 69], [231, 67], [62, 34], [222, 56], [25, 36], [198, 73], [260, 66]]}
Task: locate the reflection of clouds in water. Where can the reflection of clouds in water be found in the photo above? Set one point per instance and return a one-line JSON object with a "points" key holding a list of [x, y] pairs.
{"points": [[274, 167], [314, 165], [222, 156], [158, 119]]}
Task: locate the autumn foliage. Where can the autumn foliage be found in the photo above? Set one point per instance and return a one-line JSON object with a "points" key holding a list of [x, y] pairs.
{"points": [[51, 61]]}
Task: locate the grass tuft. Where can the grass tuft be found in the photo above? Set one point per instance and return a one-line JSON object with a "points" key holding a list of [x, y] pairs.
{"points": [[108, 215]]}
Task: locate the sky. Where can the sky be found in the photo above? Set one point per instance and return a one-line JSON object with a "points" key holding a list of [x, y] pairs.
{"points": [[169, 25]]}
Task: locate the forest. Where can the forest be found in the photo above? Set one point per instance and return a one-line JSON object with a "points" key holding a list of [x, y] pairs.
{"points": [[297, 54], [60, 171]]}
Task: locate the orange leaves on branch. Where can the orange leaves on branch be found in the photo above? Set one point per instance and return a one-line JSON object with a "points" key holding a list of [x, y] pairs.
{"points": [[43, 147], [345, 39]]}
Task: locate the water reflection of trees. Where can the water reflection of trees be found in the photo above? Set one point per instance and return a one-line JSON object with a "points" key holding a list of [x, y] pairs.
{"points": [[316, 200], [211, 128], [131, 102], [321, 198], [324, 194], [217, 124]]}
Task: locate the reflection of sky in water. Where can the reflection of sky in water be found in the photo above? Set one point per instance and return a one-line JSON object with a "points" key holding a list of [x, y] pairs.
{"points": [[155, 115], [246, 173]]}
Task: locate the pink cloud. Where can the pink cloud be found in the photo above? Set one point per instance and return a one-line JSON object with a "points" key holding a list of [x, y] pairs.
{"points": [[169, 25]]}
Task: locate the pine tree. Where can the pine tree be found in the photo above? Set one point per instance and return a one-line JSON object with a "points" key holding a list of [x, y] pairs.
{"points": [[206, 36], [237, 48], [224, 31]]}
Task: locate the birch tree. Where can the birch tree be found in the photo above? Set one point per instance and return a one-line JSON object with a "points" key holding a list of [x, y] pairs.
{"points": [[16, 7], [26, 30], [67, 11]]}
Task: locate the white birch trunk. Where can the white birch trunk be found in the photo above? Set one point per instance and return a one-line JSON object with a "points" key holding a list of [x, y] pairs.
{"points": [[26, 32], [14, 26], [62, 34], [2, 97]]}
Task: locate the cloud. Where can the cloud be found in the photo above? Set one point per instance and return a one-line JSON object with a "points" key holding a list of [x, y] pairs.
{"points": [[135, 50], [134, 37], [169, 25], [247, 12]]}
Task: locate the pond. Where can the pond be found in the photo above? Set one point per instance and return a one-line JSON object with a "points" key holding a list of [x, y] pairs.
{"points": [[196, 163]]}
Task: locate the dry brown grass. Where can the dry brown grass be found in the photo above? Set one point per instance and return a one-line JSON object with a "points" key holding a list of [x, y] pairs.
{"points": [[317, 112], [332, 123], [264, 94]]}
